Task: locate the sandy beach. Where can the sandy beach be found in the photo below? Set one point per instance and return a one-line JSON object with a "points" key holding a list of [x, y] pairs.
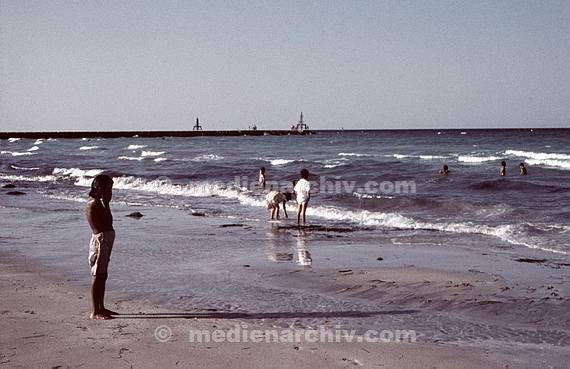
{"points": [[492, 310], [44, 324]]}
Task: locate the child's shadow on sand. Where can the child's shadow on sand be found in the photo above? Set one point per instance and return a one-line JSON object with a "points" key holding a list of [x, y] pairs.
{"points": [[275, 315]]}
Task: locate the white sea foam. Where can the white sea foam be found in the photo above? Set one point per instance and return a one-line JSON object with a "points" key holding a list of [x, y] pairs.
{"points": [[160, 159], [561, 164], [550, 160], [359, 195], [14, 153], [166, 187], [39, 141], [88, 147], [333, 163], [208, 157], [422, 157], [22, 168], [278, 162], [135, 147], [507, 233], [152, 153], [139, 158], [57, 173], [33, 148], [537, 155], [10, 177], [352, 154], [14, 139], [476, 158], [76, 172]]}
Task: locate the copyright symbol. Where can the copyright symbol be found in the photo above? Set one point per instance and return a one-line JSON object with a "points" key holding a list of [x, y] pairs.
{"points": [[162, 333]]}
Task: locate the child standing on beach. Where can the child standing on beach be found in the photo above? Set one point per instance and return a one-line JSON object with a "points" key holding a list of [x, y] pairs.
{"points": [[103, 236], [303, 191]]}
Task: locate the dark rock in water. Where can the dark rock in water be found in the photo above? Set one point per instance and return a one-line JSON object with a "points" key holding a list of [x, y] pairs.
{"points": [[246, 265], [232, 225], [136, 215], [15, 193], [9, 185], [198, 214], [530, 260], [380, 258]]}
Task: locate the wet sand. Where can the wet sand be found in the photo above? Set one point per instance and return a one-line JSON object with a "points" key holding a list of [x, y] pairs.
{"points": [[471, 310]]}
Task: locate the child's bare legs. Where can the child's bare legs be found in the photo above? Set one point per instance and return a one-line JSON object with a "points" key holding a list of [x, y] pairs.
{"points": [[98, 297], [301, 212]]}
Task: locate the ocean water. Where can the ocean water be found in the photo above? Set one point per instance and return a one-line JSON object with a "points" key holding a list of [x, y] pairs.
{"points": [[377, 180]]}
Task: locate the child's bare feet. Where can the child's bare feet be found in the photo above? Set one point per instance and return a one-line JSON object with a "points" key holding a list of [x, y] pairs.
{"points": [[99, 316]]}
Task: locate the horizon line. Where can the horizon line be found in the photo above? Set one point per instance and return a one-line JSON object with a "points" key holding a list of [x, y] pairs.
{"points": [[237, 132]]}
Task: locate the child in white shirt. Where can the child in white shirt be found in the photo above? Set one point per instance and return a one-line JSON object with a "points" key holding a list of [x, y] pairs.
{"points": [[303, 191]]}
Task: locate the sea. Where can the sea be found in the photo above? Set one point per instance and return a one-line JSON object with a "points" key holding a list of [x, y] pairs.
{"points": [[378, 180], [206, 241]]}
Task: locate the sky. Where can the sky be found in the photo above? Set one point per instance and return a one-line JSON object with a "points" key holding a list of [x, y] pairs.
{"points": [[156, 65]]}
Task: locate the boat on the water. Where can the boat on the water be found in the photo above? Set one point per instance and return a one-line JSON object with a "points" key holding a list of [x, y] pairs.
{"points": [[301, 128]]}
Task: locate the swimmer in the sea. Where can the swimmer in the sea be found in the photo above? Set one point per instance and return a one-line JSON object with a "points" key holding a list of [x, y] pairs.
{"points": [[262, 178], [503, 169]]}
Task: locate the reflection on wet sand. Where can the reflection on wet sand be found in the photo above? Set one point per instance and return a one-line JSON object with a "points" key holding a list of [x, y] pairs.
{"points": [[303, 254], [281, 248]]}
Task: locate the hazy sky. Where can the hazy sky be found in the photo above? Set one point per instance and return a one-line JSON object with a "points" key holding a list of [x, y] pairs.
{"points": [[134, 65]]}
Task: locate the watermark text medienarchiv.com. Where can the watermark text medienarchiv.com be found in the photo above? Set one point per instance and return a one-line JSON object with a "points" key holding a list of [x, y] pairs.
{"points": [[244, 334], [319, 185], [336, 185]]}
